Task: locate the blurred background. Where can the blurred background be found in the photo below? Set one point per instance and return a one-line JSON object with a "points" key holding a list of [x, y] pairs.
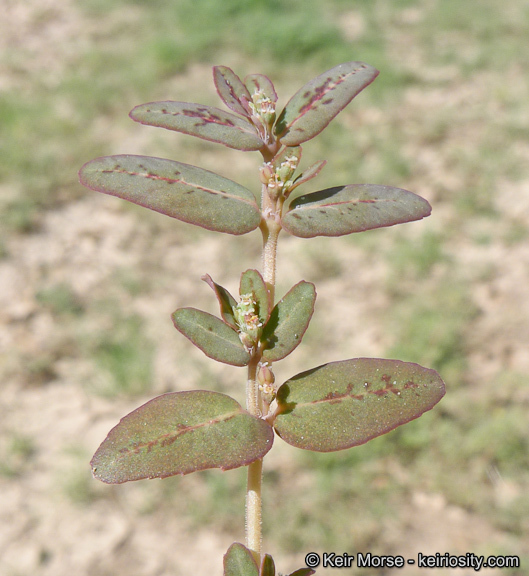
{"points": [[88, 282]]}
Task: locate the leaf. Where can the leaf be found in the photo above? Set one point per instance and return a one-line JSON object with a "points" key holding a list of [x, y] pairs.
{"points": [[180, 433], [215, 338], [178, 190], [268, 567], [239, 561], [288, 322], [226, 300], [231, 90], [252, 283], [354, 208], [310, 110], [310, 173], [344, 404], [260, 83], [287, 155], [303, 572], [206, 122]]}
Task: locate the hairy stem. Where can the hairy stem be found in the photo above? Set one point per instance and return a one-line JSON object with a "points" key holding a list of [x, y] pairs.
{"points": [[253, 491], [253, 509], [270, 229]]}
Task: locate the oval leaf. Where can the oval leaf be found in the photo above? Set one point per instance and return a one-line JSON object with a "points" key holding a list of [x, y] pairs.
{"points": [[355, 208], [179, 433], [344, 404], [178, 190], [318, 102], [252, 283], [311, 172], [288, 322], [239, 561], [215, 338], [226, 300], [206, 122], [231, 90], [268, 567], [286, 161], [259, 83]]}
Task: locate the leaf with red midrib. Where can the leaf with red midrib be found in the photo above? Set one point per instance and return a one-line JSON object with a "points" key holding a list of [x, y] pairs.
{"points": [[181, 191], [180, 433], [311, 109], [348, 209], [258, 83], [344, 404], [231, 90], [206, 122]]}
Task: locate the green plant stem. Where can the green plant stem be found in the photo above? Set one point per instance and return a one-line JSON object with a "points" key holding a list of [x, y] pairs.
{"points": [[270, 229]]}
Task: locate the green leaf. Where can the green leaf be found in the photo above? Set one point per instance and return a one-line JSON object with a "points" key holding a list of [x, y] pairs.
{"points": [[178, 190], [206, 122], [231, 90], [259, 83], [344, 404], [215, 338], [310, 110], [287, 155], [180, 433], [355, 208], [226, 300], [252, 283], [311, 172], [303, 572], [288, 322], [268, 568], [238, 561]]}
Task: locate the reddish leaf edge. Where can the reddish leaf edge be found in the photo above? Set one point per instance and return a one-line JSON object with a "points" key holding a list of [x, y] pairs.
{"points": [[206, 226], [250, 129], [242, 548], [93, 463], [237, 546], [281, 129], [273, 323], [271, 417], [207, 352], [313, 196]]}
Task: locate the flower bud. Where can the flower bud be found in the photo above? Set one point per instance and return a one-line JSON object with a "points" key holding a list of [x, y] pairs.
{"points": [[266, 173], [265, 376]]}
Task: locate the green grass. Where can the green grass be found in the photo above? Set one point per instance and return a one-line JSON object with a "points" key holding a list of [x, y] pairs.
{"points": [[60, 300], [16, 455], [124, 356]]}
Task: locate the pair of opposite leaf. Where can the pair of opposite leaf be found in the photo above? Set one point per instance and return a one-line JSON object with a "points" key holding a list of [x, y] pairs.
{"points": [[331, 407], [250, 326], [327, 408], [206, 199]]}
